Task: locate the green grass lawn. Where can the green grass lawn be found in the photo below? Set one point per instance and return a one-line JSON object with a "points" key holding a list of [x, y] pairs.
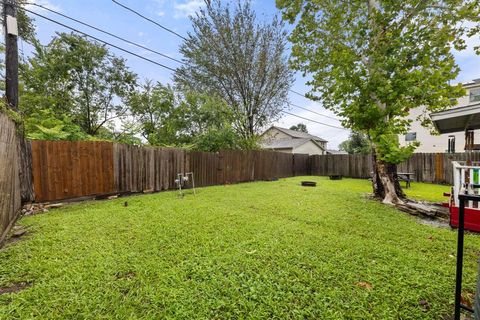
{"points": [[253, 250], [419, 191]]}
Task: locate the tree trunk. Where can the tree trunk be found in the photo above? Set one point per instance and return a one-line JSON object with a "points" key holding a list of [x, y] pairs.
{"points": [[385, 182]]}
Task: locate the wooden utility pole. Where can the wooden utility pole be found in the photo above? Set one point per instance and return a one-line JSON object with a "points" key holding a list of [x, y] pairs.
{"points": [[11, 53], [24, 148]]}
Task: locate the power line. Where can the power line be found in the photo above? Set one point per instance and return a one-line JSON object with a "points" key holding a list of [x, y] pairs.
{"points": [[100, 40], [311, 120], [105, 32], [162, 65], [305, 96], [180, 36], [312, 111], [148, 19], [298, 93]]}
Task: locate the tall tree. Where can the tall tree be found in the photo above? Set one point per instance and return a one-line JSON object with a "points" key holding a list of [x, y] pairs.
{"points": [[372, 61], [356, 143], [153, 106], [83, 79], [232, 55], [299, 127], [191, 119]]}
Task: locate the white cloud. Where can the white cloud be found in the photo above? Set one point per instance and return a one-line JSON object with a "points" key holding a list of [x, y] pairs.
{"points": [[159, 11], [45, 3], [187, 8]]}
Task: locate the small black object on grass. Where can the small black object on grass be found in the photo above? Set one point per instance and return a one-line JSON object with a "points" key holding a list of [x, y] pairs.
{"points": [[309, 184], [125, 204], [336, 177]]}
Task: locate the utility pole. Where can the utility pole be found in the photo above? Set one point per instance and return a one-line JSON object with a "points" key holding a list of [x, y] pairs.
{"points": [[11, 53], [11, 94]]}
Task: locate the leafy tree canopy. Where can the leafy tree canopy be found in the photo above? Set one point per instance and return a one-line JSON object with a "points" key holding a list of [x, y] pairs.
{"points": [[231, 55], [356, 143], [79, 78], [299, 127], [373, 61], [197, 121]]}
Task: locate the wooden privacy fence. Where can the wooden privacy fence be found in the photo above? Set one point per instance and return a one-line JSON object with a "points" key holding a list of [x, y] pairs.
{"points": [[64, 169], [10, 191], [348, 165], [427, 167]]}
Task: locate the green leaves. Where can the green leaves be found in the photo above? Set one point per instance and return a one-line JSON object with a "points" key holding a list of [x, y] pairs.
{"points": [[390, 151], [372, 65], [193, 120], [45, 125], [356, 143], [231, 55], [77, 78]]}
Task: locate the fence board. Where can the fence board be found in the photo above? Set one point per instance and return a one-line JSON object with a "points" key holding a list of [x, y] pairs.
{"points": [[10, 189], [63, 169], [427, 167]]}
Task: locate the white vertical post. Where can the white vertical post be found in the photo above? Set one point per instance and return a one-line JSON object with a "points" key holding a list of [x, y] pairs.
{"points": [[456, 182]]}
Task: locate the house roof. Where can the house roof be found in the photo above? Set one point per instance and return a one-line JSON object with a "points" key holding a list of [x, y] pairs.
{"points": [[457, 119], [470, 84], [298, 134], [287, 143]]}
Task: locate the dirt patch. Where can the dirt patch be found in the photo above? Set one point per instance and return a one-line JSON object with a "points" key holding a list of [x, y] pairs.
{"points": [[16, 287], [125, 275], [18, 232], [438, 223]]}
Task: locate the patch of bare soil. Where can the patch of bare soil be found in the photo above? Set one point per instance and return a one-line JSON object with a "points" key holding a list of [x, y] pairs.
{"points": [[16, 234], [125, 275], [16, 287]]}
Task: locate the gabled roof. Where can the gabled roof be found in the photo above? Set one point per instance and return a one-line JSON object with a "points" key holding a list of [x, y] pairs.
{"points": [[298, 134], [288, 143]]}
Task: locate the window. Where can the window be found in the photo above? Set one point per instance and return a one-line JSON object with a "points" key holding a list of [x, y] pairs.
{"points": [[474, 95], [451, 144], [411, 136]]}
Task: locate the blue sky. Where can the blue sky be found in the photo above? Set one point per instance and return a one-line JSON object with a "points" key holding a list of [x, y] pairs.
{"points": [[174, 14]]}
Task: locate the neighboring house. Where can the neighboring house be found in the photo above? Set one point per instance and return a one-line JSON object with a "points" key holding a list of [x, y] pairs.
{"points": [[291, 141], [444, 142]]}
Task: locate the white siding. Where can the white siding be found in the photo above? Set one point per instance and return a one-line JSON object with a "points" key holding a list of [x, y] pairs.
{"points": [[273, 134], [438, 143], [308, 147]]}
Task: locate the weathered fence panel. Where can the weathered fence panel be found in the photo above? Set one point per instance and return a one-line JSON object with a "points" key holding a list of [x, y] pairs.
{"points": [[10, 190], [147, 169], [354, 166], [301, 164], [427, 167], [64, 169]]}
